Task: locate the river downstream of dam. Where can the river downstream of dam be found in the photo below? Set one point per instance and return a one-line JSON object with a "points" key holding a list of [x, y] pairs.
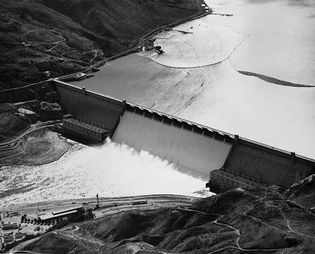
{"points": [[197, 78], [110, 170]]}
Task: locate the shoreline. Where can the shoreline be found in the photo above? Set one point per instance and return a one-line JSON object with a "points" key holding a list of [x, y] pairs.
{"points": [[202, 13], [64, 203], [49, 144]]}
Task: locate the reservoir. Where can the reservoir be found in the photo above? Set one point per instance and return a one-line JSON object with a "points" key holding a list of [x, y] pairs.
{"points": [[197, 78]]}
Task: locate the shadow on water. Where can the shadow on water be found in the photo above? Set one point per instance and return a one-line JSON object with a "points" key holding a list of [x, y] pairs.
{"points": [[304, 3], [273, 80]]}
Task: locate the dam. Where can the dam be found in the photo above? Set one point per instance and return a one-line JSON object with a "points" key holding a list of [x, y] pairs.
{"points": [[228, 160]]}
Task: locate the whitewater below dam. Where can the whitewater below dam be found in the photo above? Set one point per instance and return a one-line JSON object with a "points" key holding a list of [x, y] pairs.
{"points": [[110, 170], [200, 77]]}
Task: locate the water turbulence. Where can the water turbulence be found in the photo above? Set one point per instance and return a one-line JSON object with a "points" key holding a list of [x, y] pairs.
{"points": [[109, 170]]}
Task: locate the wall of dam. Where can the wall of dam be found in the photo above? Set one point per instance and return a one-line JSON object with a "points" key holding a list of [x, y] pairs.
{"points": [[230, 160], [187, 145], [190, 146], [91, 108], [267, 165]]}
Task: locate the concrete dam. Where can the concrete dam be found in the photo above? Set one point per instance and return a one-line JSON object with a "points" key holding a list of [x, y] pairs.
{"points": [[228, 160]]}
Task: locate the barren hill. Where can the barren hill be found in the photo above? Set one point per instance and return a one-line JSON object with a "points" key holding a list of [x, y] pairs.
{"points": [[238, 221], [64, 36]]}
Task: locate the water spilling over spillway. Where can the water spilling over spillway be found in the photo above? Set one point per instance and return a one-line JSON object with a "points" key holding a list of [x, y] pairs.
{"points": [[197, 77], [271, 38], [110, 170]]}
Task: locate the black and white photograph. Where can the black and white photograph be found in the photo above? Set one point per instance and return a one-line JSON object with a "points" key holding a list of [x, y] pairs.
{"points": [[157, 126]]}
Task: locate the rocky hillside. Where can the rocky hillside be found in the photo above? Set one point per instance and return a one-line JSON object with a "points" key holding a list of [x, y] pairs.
{"points": [[238, 221], [303, 192], [27, 106], [64, 36]]}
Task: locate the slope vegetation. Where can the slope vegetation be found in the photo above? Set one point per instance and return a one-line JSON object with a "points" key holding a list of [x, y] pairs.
{"points": [[65, 36]]}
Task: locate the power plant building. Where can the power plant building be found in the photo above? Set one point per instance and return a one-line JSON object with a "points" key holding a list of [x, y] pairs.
{"points": [[84, 130], [56, 217]]}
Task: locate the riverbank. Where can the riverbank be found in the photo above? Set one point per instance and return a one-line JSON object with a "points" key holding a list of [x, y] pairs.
{"points": [[35, 148], [204, 10], [36, 48], [110, 169], [224, 222], [101, 208], [92, 202]]}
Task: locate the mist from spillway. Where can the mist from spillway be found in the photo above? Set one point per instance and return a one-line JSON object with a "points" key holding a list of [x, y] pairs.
{"points": [[110, 170]]}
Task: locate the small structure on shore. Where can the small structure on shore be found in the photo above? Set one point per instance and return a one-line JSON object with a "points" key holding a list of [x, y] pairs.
{"points": [[148, 44], [9, 235], [158, 49]]}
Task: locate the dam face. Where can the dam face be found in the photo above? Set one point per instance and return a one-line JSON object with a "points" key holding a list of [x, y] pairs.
{"points": [[187, 146], [266, 165], [231, 161], [97, 110]]}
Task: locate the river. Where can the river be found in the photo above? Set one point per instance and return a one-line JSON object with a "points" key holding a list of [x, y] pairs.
{"points": [[110, 170], [271, 38]]}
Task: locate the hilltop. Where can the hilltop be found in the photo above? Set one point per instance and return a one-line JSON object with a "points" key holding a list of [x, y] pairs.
{"points": [[237, 221], [65, 36]]}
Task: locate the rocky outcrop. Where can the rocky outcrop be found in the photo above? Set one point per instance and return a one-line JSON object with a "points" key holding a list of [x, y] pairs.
{"points": [[25, 106], [303, 192], [50, 111], [11, 125], [27, 115]]}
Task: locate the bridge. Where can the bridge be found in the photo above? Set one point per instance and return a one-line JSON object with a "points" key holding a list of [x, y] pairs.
{"points": [[230, 160]]}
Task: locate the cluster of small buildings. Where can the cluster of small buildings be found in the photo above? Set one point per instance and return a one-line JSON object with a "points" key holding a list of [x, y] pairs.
{"points": [[9, 234], [33, 225]]}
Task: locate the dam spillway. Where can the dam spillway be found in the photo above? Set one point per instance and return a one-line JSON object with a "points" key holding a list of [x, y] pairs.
{"points": [[190, 146], [230, 160], [185, 144]]}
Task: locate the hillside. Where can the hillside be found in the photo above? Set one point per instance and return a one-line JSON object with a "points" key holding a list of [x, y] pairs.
{"points": [[65, 36], [303, 192], [238, 221]]}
